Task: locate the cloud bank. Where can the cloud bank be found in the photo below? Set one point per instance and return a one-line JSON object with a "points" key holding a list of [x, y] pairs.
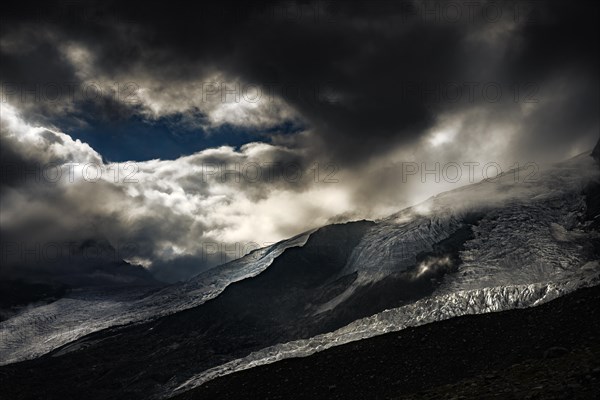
{"points": [[377, 92]]}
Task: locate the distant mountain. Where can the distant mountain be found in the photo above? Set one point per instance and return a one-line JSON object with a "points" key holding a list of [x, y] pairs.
{"points": [[38, 280], [77, 263], [15, 295]]}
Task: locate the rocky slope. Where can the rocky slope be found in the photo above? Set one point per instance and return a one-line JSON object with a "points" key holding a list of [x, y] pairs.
{"points": [[547, 352]]}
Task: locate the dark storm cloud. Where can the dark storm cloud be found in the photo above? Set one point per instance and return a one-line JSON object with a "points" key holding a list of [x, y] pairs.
{"points": [[372, 65]]}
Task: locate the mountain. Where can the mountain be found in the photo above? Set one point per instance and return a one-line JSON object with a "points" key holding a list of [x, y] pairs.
{"points": [[61, 268], [514, 242], [17, 294], [76, 263], [545, 352]]}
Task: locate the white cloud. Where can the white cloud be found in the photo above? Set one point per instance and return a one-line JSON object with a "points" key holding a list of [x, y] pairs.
{"points": [[220, 99], [168, 209]]}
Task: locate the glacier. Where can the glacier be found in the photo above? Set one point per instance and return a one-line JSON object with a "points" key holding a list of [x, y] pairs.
{"points": [[39, 330], [531, 246], [438, 308]]}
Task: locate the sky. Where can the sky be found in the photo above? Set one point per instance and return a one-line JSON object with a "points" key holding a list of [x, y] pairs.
{"points": [[187, 135]]}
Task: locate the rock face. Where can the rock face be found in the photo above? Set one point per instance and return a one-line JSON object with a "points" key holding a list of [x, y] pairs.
{"points": [[491, 246]]}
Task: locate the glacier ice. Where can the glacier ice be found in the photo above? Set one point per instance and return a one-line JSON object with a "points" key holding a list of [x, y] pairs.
{"points": [[437, 308], [39, 330], [527, 249]]}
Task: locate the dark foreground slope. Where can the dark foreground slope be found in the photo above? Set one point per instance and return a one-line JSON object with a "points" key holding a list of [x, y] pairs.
{"points": [[547, 352]]}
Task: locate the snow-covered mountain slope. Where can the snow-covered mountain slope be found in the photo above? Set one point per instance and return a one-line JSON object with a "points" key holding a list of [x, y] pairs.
{"points": [[436, 308], [42, 329], [484, 247], [531, 244]]}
